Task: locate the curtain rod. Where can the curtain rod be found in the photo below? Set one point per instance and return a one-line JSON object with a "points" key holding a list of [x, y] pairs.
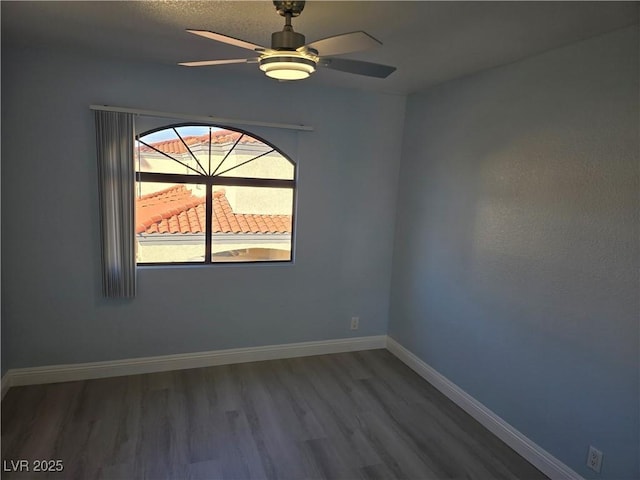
{"points": [[200, 118]]}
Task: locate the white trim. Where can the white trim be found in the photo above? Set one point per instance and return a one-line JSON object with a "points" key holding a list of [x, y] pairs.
{"points": [[134, 366], [200, 118], [535, 454], [5, 385]]}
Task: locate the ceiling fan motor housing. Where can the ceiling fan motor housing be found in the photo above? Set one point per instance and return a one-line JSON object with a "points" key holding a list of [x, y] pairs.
{"points": [[287, 40]]}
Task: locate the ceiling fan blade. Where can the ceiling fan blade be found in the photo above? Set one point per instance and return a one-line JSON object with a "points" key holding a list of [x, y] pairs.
{"points": [[358, 67], [345, 43], [218, 37], [205, 63]]}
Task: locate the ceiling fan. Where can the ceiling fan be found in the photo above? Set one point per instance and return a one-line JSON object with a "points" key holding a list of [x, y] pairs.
{"points": [[289, 58]]}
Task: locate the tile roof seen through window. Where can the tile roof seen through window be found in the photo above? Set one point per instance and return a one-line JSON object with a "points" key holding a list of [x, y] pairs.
{"points": [[177, 210], [219, 137]]}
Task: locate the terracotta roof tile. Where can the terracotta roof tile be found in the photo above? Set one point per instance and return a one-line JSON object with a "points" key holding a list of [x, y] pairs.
{"points": [[177, 210], [219, 137]]}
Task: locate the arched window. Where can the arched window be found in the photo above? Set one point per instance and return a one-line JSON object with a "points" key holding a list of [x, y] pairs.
{"points": [[207, 194]]}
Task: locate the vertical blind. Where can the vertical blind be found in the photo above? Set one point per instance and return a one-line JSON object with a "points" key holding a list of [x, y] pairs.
{"points": [[116, 183]]}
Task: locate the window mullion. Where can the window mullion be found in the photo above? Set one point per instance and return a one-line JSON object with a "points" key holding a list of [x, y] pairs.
{"points": [[228, 153], [245, 162], [190, 152], [169, 156], [208, 223]]}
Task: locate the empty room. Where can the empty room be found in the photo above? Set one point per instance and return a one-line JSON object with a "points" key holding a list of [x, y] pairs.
{"points": [[322, 239]]}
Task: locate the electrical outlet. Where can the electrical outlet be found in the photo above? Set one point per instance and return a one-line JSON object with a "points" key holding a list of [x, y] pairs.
{"points": [[355, 323], [594, 459]]}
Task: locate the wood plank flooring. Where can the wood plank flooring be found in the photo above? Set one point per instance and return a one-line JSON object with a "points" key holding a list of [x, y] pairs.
{"points": [[361, 415]]}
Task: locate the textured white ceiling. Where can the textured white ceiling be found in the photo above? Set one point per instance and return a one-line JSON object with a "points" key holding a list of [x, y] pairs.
{"points": [[429, 42]]}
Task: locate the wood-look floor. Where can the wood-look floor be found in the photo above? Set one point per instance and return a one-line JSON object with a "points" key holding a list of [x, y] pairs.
{"points": [[361, 415]]}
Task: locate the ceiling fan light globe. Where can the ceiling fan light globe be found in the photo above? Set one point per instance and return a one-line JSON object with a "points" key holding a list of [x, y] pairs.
{"points": [[287, 67]]}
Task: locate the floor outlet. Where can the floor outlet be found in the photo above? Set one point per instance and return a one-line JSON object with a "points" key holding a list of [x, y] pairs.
{"points": [[594, 459], [355, 323]]}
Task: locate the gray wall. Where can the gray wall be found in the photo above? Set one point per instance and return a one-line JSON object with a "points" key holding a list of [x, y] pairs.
{"points": [[516, 254], [52, 311]]}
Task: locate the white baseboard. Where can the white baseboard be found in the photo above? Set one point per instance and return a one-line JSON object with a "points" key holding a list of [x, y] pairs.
{"points": [[5, 385], [134, 366], [536, 455]]}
